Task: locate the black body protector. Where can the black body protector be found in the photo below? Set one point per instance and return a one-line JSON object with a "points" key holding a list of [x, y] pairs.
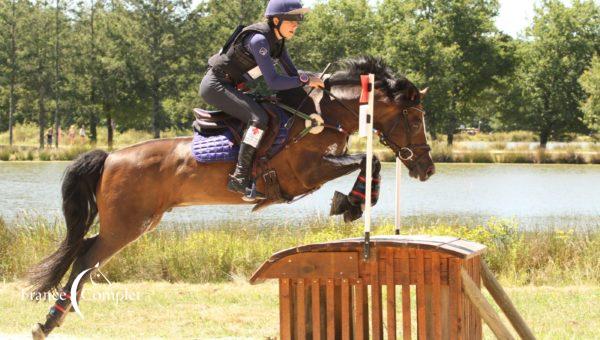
{"points": [[237, 62]]}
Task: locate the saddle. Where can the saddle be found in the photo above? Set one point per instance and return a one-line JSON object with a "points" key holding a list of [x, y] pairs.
{"points": [[214, 123]]}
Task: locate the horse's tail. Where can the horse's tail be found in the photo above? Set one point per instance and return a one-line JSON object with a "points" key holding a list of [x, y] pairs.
{"points": [[79, 208]]}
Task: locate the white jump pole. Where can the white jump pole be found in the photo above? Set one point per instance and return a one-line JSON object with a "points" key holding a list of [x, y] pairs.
{"points": [[398, 180], [367, 100]]}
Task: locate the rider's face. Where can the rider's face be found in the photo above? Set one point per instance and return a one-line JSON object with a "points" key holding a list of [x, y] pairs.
{"points": [[288, 28]]}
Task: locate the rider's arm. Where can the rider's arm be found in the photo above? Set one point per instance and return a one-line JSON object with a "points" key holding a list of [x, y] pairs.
{"points": [[258, 45], [287, 64]]}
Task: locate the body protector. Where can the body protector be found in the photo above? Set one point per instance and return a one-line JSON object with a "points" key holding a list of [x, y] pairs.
{"points": [[238, 62]]}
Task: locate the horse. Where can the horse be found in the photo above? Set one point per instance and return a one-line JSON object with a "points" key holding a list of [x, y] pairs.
{"points": [[129, 190]]}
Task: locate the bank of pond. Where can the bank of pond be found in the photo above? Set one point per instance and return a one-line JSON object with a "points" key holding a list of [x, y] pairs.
{"points": [[441, 153], [219, 252]]}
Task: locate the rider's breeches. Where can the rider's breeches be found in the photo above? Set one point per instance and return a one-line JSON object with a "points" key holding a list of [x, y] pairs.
{"points": [[223, 95]]}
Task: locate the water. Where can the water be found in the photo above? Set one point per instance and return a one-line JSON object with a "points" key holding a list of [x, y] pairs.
{"points": [[537, 196]]}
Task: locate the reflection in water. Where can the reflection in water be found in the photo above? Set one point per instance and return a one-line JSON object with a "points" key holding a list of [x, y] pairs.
{"points": [[538, 196]]}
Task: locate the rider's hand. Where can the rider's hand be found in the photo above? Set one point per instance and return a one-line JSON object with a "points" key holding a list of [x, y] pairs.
{"points": [[316, 82]]}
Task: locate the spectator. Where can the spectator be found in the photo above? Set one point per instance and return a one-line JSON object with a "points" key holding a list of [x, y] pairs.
{"points": [[82, 134], [49, 134], [71, 134]]}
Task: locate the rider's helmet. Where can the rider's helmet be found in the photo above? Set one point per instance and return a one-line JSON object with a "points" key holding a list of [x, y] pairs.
{"points": [[286, 10]]}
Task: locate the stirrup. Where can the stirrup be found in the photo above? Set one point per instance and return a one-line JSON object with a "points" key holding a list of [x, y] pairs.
{"points": [[252, 195]]}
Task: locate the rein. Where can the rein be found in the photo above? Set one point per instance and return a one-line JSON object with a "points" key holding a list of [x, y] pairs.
{"points": [[405, 153]]}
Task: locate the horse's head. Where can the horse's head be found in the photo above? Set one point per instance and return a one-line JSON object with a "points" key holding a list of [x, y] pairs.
{"points": [[399, 116], [400, 123]]}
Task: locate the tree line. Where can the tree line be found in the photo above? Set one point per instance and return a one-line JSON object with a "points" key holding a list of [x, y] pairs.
{"points": [[128, 64]]}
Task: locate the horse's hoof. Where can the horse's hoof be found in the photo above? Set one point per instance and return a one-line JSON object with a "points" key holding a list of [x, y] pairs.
{"points": [[37, 332]]}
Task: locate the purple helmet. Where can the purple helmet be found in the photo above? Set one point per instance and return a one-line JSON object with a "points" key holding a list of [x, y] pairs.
{"points": [[286, 10]]}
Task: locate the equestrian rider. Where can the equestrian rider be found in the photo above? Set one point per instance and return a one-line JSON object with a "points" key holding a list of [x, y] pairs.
{"points": [[250, 53]]}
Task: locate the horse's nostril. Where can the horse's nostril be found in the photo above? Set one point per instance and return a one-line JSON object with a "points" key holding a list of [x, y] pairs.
{"points": [[431, 170]]}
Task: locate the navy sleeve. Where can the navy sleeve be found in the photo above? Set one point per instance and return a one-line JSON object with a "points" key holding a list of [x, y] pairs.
{"points": [[258, 45], [287, 64]]}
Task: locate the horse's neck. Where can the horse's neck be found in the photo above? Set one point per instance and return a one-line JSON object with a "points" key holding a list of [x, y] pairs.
{"points": [[330, 108], [342, 109]]}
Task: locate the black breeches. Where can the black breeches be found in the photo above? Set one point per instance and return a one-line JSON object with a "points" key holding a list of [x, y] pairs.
{"points": [[223, 95]]}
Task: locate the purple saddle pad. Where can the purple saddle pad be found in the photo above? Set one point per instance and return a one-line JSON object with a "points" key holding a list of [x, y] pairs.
{"points": [[222, 148]]}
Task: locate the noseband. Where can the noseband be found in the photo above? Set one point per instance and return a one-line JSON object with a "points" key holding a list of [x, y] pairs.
{"points": [[407, 152]]}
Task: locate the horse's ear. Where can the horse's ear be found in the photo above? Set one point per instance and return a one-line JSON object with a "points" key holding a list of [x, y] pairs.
{"points": [[424, 92], [412, 93]]}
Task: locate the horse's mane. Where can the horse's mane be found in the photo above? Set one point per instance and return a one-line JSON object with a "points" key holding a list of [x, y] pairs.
{"points": [[398, 88]]}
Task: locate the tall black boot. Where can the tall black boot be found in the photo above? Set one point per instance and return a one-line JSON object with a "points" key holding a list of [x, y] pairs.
{"points": [[240, 180]]}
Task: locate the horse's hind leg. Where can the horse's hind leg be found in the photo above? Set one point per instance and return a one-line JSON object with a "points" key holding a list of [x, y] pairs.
{"points": [[114, 235]]}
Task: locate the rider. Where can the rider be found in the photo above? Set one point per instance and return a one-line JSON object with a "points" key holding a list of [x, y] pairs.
{"points": [[253, 52]]}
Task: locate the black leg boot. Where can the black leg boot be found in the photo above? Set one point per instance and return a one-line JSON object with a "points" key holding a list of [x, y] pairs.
{"points": [[240, 180]]}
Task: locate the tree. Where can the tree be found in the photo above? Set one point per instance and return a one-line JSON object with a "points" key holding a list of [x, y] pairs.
{"points": [[450, 46], [590, 81], [9, 13], [154, 33], [38, 75], [333, 31], [561, 44]]}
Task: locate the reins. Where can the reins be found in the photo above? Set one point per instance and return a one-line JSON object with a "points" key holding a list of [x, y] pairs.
{"points": [[405, 153]]}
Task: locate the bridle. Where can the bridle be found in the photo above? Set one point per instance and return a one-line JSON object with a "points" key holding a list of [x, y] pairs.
{"points": [[406, 152]]}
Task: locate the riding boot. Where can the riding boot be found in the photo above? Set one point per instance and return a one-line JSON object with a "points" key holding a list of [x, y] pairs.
{"points": [[240, 180]]}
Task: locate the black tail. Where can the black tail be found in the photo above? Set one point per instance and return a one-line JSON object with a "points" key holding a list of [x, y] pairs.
{"points": [[79, 207]]}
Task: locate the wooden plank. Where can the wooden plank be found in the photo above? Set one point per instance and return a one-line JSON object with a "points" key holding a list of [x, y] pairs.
{"points": [[455, 299], [436, 291], [301, 309], [445, 317], [321, 265], [405, 281], [486, 311], [478, 330], [421, 303], [391, 294], [376, 308], [285, 309], [359, 316], [316, 309], [504, 303], [469, 308], [330, 306], [346, 304]]}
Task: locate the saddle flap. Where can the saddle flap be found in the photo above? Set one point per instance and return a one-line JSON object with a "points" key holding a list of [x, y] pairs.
{"points": [[210, 116]]}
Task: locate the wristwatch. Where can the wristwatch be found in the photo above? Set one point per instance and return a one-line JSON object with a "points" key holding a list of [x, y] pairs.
{"points": [[304, 79]]}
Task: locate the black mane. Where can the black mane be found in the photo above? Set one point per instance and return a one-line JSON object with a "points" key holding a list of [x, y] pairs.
{"points": [[398, 88]]}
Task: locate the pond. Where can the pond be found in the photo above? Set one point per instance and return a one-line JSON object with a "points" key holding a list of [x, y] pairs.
{"points": [[537, 196]]}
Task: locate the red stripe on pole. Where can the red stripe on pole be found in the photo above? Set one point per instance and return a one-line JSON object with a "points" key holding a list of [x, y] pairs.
{"points": [[364, 95], [59, 307]]}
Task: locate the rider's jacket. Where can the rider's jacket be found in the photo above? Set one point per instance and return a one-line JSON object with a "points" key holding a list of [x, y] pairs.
{"points": [[238, 62]]}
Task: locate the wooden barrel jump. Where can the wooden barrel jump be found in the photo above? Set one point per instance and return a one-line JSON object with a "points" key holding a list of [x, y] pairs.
{"points": [[328, 290]]}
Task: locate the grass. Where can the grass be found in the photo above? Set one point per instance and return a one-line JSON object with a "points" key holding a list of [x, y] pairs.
{"points": [[183, 253], [239, 310]]}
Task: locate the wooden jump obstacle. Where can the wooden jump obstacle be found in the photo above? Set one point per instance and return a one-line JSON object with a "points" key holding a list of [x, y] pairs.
{"points": [[329, 291]]}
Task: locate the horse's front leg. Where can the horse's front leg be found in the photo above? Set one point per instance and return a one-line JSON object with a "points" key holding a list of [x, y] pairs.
{"points": [[331, 167]]}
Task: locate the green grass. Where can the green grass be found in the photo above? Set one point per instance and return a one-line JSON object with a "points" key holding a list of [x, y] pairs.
{"points": [[180, 253], [239, 310]]}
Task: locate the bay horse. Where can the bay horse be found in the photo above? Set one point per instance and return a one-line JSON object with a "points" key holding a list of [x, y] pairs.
{"points": [[130, 189]]}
